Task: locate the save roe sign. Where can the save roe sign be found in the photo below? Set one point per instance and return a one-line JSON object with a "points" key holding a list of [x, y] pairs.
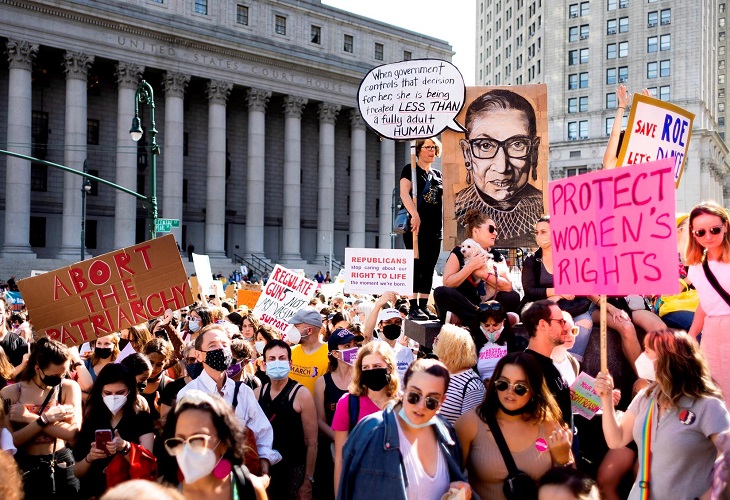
{"points": [[105, 294]]}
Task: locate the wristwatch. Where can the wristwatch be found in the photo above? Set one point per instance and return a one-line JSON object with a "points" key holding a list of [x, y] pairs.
{"points": [[309, 478], [42, 422]]}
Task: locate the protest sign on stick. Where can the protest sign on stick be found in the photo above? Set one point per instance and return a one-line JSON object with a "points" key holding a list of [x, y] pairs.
{"points": [[104, 294], [656, 130], [284, 294], [374, 271]]}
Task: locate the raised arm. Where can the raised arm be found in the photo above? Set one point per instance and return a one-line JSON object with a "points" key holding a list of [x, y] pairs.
{"points": [[611, 155]]}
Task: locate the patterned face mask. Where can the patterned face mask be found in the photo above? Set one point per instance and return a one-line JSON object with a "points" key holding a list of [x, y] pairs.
{"points": [[219, 359]]}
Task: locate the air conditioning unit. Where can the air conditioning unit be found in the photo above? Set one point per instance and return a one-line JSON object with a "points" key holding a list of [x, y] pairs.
{"points": [[572, 138], [612, 32], [652, 25], [665, 22], [573, 14], [584, 37], [622, 80]]}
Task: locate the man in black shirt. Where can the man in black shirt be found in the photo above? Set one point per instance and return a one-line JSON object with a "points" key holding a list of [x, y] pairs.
{"points": [[14, 346], [547, 329]]}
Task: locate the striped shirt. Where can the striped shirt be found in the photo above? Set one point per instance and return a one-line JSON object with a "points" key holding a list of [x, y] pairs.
{"points": [[466, 391]]}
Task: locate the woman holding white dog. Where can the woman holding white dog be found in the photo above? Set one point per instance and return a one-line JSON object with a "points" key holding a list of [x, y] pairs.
{"points": [[460, 294]]}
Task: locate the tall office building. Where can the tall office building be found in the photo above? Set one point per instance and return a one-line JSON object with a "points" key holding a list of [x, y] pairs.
{"points": [[583, 50]]}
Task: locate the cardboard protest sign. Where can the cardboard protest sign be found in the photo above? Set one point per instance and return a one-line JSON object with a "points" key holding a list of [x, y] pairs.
{"points": [[105, 294], [247, 298], [614, 232], [584, 399], [285, 293], [413, 99], [656, 130], [499, 165], [370, 270]]}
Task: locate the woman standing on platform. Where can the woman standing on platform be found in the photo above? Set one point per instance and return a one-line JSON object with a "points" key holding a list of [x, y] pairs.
{"points": [[426, 221]]}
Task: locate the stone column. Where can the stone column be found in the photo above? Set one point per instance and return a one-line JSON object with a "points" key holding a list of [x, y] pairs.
{"points": [[358, 179], [125, 208], [387, 183], [76, 65], [293, 108], [215, 207], [325, 194], [17, 171], [172, 187], [256, 170]]}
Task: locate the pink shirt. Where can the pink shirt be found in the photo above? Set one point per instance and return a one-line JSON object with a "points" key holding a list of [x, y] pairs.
{"points": [[341, 420]]}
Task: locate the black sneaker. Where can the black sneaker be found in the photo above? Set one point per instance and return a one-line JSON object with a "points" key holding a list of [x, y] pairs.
{"points": [[431, 316], [416, 314]]}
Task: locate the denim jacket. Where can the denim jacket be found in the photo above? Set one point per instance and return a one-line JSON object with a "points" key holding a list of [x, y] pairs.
{"points": [[372, 462]]}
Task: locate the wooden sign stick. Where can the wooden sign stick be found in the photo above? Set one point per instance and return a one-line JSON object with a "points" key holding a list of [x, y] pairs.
{"points": [[604, 340], [414, 195]]}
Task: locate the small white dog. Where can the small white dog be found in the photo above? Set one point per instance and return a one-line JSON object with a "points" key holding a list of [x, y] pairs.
{"points": [[471, 249]]}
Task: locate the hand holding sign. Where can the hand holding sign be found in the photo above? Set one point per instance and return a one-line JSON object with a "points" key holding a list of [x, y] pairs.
{"points": [[413, 99]]}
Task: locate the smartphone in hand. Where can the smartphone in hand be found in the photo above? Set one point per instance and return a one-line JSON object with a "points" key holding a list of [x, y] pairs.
{"points": [[103, 436]]}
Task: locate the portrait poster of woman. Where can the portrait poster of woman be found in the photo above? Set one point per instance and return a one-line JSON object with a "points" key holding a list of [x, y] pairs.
{"points": [[499, 165]]}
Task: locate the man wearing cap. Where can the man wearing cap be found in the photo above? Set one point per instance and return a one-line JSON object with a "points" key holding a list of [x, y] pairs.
{"points": [[389, 321], [309, 358]]}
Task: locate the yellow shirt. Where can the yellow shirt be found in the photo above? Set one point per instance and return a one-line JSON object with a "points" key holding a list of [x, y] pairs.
{"points": [[307, 368]]}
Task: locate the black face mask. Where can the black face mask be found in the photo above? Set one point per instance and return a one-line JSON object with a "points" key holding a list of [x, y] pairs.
{"points": [[219, 359], [391, 332], [375, 379], [103, 352], [194, 370], [528, 408], [51, 380], [141, 386]]}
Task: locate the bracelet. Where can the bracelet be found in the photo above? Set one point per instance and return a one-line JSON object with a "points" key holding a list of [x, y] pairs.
{"points": [[87, 458], [309, 478], [42, 422], [620, 107], [127, 447]]}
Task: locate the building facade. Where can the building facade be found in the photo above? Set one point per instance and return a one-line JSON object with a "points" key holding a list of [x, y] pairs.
{"points": [[585, 49], [263, 150]]}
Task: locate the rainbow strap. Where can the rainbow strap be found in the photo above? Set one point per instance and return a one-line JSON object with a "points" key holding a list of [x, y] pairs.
{"points": [[646, 453]]}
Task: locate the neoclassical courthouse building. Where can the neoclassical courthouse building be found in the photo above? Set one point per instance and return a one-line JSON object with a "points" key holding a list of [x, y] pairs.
{"points": [[263, 150]]}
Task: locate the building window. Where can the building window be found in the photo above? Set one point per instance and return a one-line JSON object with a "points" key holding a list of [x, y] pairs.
{"points": [[39, 134], [37, 232], [665, 68], [185, 143], [584, 80], [280, 25], [611, 51], [573, 10], [585, 8], [611, 76], [201, 7], [611, 27], [378, 51], [573, 105], [242, 14], [623, 74], [315, 34], [572, 172], [583, 129], [666, 16], [623, 49], [623, 25], [572, 81], [609, 125], [652, 44], [622, 4], [583, 104], [407, 55], [572, 131], [651, 70], [584, 56], [92, 132], [612, 4], [573, 34], [664, 93], [584, 31], [665, 42], [611, 100], [721, 36], [572, 58], [652, 19], [349, 42], [38, 177]]}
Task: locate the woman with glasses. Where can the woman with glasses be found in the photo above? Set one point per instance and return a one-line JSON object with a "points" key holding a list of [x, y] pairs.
{"points": [[196, 319], [520, 404], [495, 338], [708, 257], [500, 155], [426, 221], [460, 293], [210, 446], [45, 414], [407, 450]]}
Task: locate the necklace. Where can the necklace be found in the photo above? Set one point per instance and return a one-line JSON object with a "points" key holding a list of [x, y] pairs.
{"points": [[43, 389]]}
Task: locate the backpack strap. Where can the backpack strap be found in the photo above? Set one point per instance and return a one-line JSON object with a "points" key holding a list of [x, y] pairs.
{"points": [[353, 406], [509, 461]]}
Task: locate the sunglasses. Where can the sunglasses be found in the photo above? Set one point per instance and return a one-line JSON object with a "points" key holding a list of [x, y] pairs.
{"points": [[714, 231], [574, 331], [492, 229], [519, 389], [198, 443], [414, 398]]}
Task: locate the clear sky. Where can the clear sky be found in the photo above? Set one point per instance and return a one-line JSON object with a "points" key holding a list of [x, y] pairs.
{"points": [[452, 21]]}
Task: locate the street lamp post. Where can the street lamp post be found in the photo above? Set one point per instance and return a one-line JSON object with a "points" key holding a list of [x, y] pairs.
{"points": [[146, 95], [85, 188]]}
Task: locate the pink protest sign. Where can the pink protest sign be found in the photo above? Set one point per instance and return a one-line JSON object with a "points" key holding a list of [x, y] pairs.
{"points": [[614, 232]]}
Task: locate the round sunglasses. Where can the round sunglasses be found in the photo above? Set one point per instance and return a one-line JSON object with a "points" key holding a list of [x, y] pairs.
{"points": [[414, 398], [518, 388], [714, 231]]}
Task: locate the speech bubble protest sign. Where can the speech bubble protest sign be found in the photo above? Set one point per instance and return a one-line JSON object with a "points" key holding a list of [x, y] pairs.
{"points": [[614, 233], [413, 99], [656, 130], [102, 295], [285, 293], [369, 270]]}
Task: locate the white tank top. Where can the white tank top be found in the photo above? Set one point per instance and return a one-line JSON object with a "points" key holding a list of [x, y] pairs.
{"points": [[421, 486], [489, 356]]}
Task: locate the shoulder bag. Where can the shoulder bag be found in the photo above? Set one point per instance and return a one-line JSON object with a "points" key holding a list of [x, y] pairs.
{"points": [[713, 281], [402, 221], [518, 485]]}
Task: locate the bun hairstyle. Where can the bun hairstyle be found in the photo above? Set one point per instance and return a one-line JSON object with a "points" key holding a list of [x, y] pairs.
{"points": [[473, 219]]}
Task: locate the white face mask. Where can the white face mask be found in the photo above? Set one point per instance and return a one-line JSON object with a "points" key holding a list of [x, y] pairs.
{"points": [[259, 344], [492, 336], [196, 465], [115, 403], [645, 367]]}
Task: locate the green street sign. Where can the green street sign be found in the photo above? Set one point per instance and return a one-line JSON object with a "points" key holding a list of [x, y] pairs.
{"points": [[165, 225]]}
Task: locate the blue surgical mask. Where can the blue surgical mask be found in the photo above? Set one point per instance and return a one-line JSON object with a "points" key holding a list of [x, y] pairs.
{"points": [[193, 325], [402, 414], [277, 369], [492, 336]]}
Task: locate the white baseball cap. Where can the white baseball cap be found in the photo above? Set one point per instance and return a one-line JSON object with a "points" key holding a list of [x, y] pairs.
{"points": [[387, 314]]}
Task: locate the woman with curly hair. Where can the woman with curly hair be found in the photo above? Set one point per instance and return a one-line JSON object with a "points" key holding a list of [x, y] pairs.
{"points": [[682, 413], [519, 404], [249, 327], [210, 446]]}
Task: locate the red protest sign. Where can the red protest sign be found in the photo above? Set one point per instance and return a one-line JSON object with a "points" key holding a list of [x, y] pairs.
{"points": [[105, 294]]}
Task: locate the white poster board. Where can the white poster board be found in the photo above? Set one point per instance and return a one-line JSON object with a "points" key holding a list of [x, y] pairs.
{"points": [[284, 294], [374, 271], [203, 273]]}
